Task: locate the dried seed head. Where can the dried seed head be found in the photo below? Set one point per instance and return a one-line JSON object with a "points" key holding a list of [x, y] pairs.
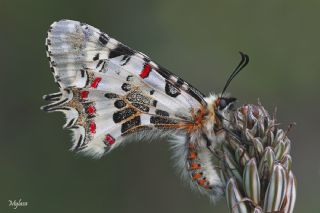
{"points": [[256, 166]]}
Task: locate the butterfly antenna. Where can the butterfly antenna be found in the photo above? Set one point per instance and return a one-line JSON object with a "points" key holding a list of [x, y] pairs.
{"points": [[244, 61]]}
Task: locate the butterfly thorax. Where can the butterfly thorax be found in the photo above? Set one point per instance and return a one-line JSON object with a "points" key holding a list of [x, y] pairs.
{"points": [[206, 124]]}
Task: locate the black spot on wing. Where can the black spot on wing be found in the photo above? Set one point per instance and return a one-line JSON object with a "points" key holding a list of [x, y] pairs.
{"points": [[164, 72], [196, 95], [154, 103], [99, 63], [191, 90], [54, 105], [123, 114], [126, 87], [119, 104], [125, 60], [96, 57], [171, 90], [121, 50], [138, 97], [82, 73], [70, 123], [179, 82], [58, 78], [79, 143], [57, 109], [129, 77], [111, 95], [145, 58], [52, 97], [88, 79], [141, 107], [162, 113], [90, 116], [136, 121], [161, 120], [103, 39]]}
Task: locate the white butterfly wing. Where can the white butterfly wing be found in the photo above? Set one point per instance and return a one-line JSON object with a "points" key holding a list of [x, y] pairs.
{"points": [[109, 91]]}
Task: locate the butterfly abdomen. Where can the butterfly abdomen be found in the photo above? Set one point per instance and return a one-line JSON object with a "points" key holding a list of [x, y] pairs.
{"points": [[193, 159]]}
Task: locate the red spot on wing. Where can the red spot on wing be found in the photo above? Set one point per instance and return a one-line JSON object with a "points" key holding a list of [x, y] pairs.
{"points": [[91, 109], [109, 139], [146, 70], [84, 94], [92, 127], [95, 82]]}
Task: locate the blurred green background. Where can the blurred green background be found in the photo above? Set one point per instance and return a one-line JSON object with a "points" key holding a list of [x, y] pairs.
{"points": [[197, 40]]}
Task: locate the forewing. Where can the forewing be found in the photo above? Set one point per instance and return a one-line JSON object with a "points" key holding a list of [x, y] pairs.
{"points": [[74, 47]]}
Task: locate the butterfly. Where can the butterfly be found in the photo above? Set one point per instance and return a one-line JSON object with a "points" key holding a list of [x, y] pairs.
{"points": [[111, 94]]}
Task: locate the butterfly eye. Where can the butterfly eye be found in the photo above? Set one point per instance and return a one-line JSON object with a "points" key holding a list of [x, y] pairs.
{"points": [[222, 103]]}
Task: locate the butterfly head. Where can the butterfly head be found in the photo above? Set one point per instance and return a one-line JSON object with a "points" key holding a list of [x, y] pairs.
{"points": [[219, 114], [224, 103], [219, 109], [223, 106]]}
